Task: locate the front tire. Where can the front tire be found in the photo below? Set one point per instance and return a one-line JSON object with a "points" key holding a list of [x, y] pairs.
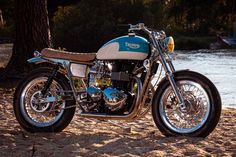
{"points": [[202, 111], [42, 117]]}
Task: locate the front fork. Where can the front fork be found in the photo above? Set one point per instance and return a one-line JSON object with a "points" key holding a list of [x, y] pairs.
{"points": [[169, 69], [169, 73]]}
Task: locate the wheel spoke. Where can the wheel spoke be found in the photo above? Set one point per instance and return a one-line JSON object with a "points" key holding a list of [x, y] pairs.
{"points": [[36, 113], [193, 116]]}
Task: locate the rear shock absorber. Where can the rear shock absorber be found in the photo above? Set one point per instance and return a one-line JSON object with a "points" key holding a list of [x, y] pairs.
{"points": [[50, 79]]}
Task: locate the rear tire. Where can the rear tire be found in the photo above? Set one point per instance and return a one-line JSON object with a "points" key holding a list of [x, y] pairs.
{"points": [[167, 122], [24, 112]]}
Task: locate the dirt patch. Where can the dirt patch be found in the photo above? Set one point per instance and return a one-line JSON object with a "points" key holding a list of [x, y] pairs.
{"points": [[5, 54]]}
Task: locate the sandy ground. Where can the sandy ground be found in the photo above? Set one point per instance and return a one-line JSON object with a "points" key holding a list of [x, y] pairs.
{"points": [[85, 137], [5, 54]]}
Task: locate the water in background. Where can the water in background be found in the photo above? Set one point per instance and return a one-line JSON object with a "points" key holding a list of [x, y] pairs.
{"points": [[218, 65]]}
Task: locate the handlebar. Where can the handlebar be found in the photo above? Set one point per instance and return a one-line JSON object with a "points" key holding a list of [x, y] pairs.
{"points": [[139, 26], [136, 27]]}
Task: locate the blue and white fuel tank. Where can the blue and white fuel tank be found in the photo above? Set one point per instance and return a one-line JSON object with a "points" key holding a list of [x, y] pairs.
{"points": [[124, 48]]}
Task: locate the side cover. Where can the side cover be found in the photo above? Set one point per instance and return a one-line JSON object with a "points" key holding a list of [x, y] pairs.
{"points": [[125, 48]]}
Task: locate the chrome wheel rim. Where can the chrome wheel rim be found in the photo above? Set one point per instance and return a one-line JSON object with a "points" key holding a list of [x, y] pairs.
{"points": [[41, 114], [196, 111]]}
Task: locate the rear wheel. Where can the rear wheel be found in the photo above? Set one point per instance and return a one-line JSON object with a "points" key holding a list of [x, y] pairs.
{"points": [[202, 106], [32, 113]]}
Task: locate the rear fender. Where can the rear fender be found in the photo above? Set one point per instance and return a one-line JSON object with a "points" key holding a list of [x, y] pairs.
{"points": [[41, 61], [37, 60]]}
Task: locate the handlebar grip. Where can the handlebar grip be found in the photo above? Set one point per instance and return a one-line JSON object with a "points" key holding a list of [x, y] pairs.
{"points": [[141, 25], [138, 26]]}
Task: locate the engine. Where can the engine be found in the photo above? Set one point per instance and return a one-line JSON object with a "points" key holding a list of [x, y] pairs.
{"points": [[110, 87]]}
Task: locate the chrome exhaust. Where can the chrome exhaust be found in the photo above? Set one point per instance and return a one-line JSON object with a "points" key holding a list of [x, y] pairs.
{"points": [[129, 116]]}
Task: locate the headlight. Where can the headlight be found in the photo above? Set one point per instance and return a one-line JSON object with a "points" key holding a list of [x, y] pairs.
{"points": [[169, 44]]}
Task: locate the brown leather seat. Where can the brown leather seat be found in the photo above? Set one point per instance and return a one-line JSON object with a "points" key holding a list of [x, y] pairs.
{"points": [[82, 57]]}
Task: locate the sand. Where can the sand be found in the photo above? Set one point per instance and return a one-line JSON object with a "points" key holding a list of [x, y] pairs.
{"points": [[84, 137], [5, 54]]}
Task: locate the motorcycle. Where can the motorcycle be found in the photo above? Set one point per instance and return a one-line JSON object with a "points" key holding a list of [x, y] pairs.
{"points": [[116, 84]]}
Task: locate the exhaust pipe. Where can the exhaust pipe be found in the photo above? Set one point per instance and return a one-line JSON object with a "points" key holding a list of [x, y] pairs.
{"points": [[129, 116]]}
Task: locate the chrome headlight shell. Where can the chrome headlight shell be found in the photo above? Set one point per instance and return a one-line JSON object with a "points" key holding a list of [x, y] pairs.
{"points": [[169, 44]]}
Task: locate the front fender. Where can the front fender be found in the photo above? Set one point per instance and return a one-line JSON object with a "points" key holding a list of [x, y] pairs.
{"points": [[181, 74], [164, 79]]}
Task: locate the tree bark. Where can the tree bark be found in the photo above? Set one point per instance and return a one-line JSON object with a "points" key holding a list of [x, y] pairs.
{"points": [[32, 33], [1, 18]]}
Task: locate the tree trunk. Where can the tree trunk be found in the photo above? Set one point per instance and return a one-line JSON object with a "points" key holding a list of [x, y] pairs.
{"points": [[32, 33], [1, 18]]}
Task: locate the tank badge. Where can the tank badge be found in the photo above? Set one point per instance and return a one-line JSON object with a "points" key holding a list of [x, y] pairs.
{"points": [[132, 46]]}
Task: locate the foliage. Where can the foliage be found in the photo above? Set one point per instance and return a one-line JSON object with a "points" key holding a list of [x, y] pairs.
{"points": [[189, 43], [85, 25], [201, 16], [4, 31]]}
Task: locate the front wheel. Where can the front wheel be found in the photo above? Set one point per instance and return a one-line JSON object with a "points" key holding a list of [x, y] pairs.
{"points": [[35, 115], [202, 106]]}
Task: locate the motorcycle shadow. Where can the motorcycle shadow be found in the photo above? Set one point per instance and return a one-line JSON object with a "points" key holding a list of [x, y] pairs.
{"points": [[89, 138]]}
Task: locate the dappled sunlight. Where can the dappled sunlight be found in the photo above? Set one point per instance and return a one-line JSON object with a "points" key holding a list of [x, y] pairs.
{"points": [[5, 54], [88, 137]]}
